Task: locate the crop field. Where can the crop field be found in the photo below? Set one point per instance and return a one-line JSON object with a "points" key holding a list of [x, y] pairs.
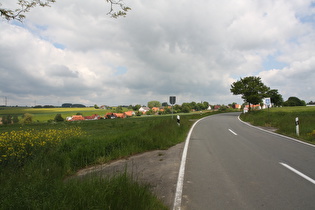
{"points": [[37, 158], [283, 118], [45, 114]]}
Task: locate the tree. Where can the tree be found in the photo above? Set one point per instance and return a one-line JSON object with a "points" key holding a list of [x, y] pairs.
{"points": [[294, 101], [275, 97], [186, 107], [136, 107], [154, 104], [59, 118], [27, 118], [119, 109], [117, 8], [15, 119], [4, 120], [205, 104], [251, 88]]}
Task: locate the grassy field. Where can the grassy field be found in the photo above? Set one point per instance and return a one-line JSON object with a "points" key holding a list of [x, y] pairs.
{"points": [[45, 114], [36, 159], [283, 118]]}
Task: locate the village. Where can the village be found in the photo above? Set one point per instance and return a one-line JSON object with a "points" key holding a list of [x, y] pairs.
{"points": [[161, 110]]}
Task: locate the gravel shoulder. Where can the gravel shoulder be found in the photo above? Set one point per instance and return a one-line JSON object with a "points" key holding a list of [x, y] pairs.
{"points": [[158, 168]]}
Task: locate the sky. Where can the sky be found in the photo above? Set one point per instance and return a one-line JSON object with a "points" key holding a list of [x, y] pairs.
{"points": [[73, 52]]}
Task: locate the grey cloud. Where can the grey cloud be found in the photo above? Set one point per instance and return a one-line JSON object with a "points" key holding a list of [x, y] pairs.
{"points": [[191, 49], [62, 71]]}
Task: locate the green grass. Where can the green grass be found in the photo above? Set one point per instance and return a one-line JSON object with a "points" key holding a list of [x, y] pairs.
{"points": [[45, 114], [284, 120], [40, 181]]}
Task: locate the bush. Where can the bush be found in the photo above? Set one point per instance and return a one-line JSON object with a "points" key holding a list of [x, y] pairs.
{"points": [[223, 109], [27, 118], [15, 119], [59, 118]]}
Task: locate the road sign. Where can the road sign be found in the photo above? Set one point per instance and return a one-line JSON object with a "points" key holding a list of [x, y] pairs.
{"points": [[267, 102], [172, 100]]}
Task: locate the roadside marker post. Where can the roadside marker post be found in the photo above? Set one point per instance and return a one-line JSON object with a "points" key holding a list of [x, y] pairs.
{"points": [[297, 128]]}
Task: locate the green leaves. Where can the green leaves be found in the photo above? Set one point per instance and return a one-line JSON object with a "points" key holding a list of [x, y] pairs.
{"points": [[122, 9], [117, 9], [24, 6], [251, 88]]}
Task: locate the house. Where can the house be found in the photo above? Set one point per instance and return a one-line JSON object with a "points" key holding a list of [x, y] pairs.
{"points": [[237, 106], [130, 113], [120, 115], [103, 107], [216, 107], [109, 115], [93, 117], [155, 109], [75, 118], [144, 109], [252, 106]]}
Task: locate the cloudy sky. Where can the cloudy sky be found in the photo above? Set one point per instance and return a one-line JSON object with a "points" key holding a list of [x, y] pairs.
{"points": [[74, 52]]}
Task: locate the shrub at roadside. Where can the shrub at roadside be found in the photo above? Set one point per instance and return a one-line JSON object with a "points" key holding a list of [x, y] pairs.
{"points": [[59, 118]]}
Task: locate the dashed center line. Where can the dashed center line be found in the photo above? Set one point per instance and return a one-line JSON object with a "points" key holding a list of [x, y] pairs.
{"points": [[298, 173], [233, 132]]}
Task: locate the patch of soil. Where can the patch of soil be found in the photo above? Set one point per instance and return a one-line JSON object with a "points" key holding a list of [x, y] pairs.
{"points": [[157, 168]]}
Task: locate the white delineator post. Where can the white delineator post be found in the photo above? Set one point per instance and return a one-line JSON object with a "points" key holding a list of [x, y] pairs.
{"points": [[297, 126]]}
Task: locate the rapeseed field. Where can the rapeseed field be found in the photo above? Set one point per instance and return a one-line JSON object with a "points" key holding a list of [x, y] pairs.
{"points": [[17, 146]]}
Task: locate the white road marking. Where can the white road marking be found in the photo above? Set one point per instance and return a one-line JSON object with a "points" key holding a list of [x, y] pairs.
{"points": [[180, 180], [233, 132], [298, 173]]}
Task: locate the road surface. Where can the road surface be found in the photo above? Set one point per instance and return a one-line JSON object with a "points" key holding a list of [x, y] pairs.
{"points": [[231, 165]]}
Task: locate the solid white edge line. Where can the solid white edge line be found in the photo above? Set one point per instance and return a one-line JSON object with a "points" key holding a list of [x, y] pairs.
{"points": [[233, 132], [181, 173], [277, 134], [298, 173]]}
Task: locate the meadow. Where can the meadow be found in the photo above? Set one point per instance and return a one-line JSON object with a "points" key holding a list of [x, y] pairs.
{"points": [[283, 118], [37, 159], [45, 114]]}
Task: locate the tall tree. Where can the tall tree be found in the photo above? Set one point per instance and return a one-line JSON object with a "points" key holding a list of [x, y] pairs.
{"points": [[275, 97], [154, 104], [251, 88], [117, 8]]}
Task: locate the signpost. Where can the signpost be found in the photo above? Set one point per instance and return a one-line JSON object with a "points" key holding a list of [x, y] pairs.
{"points": [[172, 102], [268, 103]]}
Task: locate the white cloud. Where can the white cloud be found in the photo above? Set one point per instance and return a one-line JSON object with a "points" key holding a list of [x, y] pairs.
{"points": [[74, 52]]}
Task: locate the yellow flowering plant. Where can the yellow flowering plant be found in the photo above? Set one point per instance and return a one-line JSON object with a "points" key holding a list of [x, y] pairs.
{"points": [[16, 146]]}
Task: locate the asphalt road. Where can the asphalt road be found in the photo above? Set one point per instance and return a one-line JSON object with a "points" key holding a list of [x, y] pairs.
{"points": [[231, 165]]}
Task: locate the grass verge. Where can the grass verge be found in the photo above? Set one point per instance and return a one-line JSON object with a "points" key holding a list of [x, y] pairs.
{"points": [[284, 120]]}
